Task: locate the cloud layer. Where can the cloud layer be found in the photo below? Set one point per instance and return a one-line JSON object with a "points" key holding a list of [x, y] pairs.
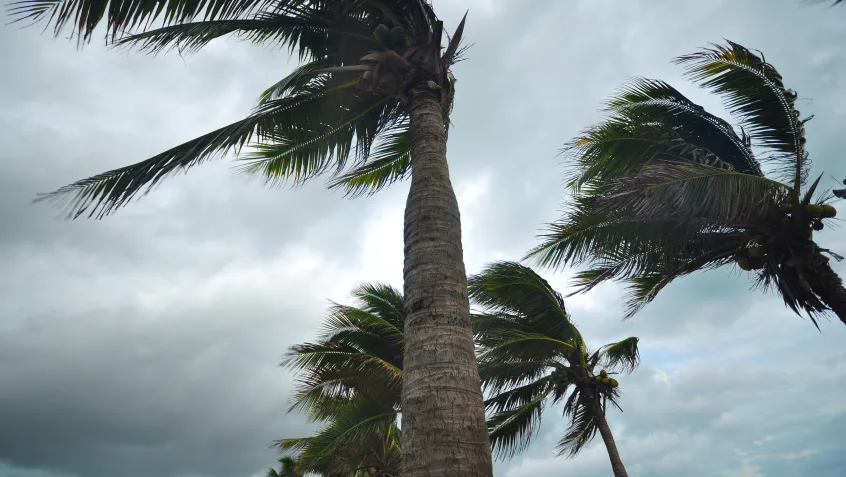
{"points": [[146, 344]]}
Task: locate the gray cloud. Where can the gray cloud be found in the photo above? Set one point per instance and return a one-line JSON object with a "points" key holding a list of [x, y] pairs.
{"points": [[146, 343]]}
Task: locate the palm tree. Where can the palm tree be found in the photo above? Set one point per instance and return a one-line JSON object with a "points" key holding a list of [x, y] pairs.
{"points": [[287, 468], [369, 106], [351, 379], [663, 189], [532, 356]]}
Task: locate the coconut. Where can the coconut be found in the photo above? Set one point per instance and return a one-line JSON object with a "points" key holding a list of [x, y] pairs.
{"points": [[755, 252], [382, 33], [603, 373], [606, 381], [828, 211], [398, 36], [814, 210], [614, 383]]}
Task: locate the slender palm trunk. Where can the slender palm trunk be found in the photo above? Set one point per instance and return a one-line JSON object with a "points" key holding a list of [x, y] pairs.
{"points": [[827, 285], [613, 454], [605, 431], [443, 421]]}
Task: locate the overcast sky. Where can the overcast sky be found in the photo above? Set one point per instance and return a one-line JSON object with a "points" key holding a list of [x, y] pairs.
{"points": [[146, 344]]}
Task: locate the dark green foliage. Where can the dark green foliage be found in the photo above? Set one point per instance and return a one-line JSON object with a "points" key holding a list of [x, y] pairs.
{"points": [[532, 356], [663, 188], [350, 379]]}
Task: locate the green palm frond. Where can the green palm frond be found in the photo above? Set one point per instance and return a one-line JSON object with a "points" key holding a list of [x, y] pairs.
{"points": [[309, 31], [508, 346], [753, 90], [102, 194], [83, 16], [388, 162], [582, 428], [691, 191], [358, 354], [502, 375], [623, 355], [511, 288], [652, 120], [511, 430]]}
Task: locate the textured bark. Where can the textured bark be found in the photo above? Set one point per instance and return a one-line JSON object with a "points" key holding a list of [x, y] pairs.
{"points": [[827, 285], [613, 454], [443, 420]]}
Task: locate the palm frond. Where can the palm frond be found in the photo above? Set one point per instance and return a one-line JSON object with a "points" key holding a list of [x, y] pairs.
{"points": [[753, 90], [83, 16], [502, 375], [690, 191], [582, 428], [516, 290], [388, 162], [622, 356], [311, 130], [511, 430], [309, 32]]}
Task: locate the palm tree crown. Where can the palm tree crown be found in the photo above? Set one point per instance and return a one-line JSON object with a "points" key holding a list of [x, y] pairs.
{"points": [[663, 189], [532, 356], [343, 111], [350, 379]]}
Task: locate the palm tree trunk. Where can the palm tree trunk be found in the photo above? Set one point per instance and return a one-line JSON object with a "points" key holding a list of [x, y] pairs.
{"points": [[605, 431], [443, 420], [827, 285]]}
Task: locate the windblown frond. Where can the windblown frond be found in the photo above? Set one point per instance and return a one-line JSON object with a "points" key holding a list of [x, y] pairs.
{"points": [[508, 287], [622, 355], [388, 162], [753, 91], [511, 429], [650, 120], [690, 191]]}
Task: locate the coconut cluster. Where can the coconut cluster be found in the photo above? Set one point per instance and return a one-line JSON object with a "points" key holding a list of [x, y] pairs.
{"points": [[754, 257], [391, 38], [603, 379]]}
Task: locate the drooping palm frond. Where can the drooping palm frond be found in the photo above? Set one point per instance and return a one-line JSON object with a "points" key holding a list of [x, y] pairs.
{"points": [[692, 191], [314, 124], [511, 429], [388, 162], [508, 287], [582, 427], [754, 92], [650, 120], [359, 352], [84, 16], [622, 355], [309, 32]]}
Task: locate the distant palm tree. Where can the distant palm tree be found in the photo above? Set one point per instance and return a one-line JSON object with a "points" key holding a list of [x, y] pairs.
{"points": [[369, 106], [351, 379], [664, 189], [287, 468], [532, 356]]}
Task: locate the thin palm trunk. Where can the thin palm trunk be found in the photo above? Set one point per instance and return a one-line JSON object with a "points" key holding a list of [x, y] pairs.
{"points": [[443, 420], [613, 454], [827, 285]]}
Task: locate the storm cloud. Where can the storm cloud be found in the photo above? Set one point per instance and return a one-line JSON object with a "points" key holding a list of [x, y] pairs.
{"points": [[146, 344]]}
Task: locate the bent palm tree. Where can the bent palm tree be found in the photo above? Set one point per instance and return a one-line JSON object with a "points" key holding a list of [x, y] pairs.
{"points": [[532, 356], [663, 189], [369, 107], [351, 378]]}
